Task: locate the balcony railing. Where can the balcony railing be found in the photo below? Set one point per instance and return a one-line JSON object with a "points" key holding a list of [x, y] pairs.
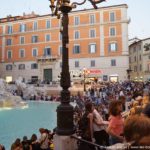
{"points": [[46, 59]]}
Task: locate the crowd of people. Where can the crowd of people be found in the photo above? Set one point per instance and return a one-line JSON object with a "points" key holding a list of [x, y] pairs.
{"points": [[44, 98], [117, 116], [113, 115], [44, 142]]}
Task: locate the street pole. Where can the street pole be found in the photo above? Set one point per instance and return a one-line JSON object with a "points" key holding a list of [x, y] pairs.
{"points": [[65, 110], [84, 82]]}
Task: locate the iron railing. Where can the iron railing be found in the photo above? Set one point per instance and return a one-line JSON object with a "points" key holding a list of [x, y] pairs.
{"points": [[83, 141]]}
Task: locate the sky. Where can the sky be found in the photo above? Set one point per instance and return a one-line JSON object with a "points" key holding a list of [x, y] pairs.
{"points": [[138, 12]]}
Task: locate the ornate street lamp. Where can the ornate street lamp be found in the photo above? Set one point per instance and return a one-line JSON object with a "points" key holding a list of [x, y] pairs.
{"points": [[61, 8]]}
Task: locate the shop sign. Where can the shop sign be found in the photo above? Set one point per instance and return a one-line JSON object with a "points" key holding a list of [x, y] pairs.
{"points": [[95, 71]]}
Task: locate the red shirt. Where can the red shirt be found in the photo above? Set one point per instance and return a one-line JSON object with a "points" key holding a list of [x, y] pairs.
{"points": [[116, 124]]}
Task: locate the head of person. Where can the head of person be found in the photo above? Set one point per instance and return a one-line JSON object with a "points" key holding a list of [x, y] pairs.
{"points": [[115, 108], [139, 99], [42, 130], [33, 137], [89, 107], [17, 142], [135, 103], [25, 138], [146, 100], [136, 127]]}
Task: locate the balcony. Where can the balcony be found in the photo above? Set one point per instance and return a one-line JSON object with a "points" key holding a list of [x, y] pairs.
{"points": [[47, 59], [147, 71]]}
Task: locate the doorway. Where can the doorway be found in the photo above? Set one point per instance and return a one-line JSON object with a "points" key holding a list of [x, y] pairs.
{"points": [[48, 75]]}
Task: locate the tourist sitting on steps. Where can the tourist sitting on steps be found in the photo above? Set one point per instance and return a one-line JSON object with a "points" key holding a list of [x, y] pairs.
{"points": [[16, 145], [34, 143], [26, 144], [44, 141]]}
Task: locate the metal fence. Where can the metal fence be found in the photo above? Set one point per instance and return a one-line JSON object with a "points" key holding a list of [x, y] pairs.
{"points": [[87, 145]]}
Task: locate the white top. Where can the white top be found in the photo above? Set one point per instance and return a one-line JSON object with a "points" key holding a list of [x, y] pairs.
{"points": [[44, 141], [98, 119]]}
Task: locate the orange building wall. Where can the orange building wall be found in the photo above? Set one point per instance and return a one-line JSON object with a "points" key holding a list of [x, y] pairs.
{"points": [[117, 14], [54, 43]]}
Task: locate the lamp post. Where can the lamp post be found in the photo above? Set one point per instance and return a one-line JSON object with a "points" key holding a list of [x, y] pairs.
{"points": [[61, 8], [84, 89], [85, 73]]}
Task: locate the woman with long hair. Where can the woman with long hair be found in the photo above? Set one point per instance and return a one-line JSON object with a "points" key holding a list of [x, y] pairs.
{"points": [[116, 123]]}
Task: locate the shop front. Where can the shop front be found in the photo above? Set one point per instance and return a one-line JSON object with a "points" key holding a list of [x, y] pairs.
{"points": [[114, 78]]}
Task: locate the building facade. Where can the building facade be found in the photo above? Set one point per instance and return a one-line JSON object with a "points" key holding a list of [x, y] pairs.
{"points": [[31, 48], [139, 60]]}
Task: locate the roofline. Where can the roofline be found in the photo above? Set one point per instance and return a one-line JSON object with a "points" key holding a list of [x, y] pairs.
{"points": [[139, 41], [135, 43], [37, 16], [134, 38], [105, 7], [146, 39], [82, 10]]}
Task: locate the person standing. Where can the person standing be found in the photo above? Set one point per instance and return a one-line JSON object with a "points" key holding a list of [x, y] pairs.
{"points": [[116, 123], [99, 126], [34, 143], [86, 127]]}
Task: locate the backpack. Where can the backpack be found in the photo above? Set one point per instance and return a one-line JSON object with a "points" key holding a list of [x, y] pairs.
{"points": [[83, 126]]}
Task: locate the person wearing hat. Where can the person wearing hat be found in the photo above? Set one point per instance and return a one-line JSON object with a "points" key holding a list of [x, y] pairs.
{"points": [[44, 141]]}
